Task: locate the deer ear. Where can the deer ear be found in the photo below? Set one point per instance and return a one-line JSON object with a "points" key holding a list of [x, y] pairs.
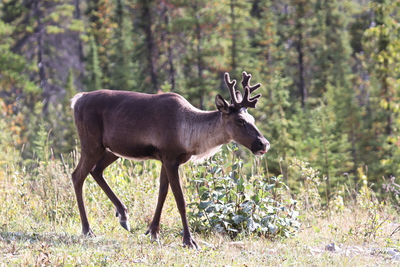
{"points": [[222, 104]]}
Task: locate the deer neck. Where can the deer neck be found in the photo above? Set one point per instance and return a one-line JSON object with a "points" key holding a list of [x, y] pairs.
{"points": [[204, 134]]}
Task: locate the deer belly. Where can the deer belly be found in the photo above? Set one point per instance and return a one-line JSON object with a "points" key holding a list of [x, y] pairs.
{"points": [[137, 153]]}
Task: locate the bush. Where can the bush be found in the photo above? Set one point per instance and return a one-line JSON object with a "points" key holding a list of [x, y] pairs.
{"points": [[231, 202]]}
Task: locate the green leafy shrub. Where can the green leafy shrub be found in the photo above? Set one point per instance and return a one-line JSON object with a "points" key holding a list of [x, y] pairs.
{"points": [[226, 200]]}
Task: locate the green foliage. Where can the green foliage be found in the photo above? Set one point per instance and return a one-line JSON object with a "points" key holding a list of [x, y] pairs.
{"points": [[229, 201], [41, 143], [122, 67], [199, 64], [309, 185], [382, 60], [8, 140], [276, 110], [94, 71], [12, 65], [61, 119]]}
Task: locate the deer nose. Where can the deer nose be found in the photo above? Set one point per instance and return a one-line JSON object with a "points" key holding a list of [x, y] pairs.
{"points": [[260, 146], [265, 144]]}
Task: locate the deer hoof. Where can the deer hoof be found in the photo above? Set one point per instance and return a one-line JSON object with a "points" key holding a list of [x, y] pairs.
{"points": [[88, 233], [153, 236], [125, 224], [190, 243]]}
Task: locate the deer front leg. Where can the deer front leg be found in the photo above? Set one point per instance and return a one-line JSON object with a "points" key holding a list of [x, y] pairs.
{"points": [[173, 178], [154, 227]]}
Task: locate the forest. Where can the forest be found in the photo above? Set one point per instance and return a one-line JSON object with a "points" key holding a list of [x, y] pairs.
{"points": [[330, 75]]}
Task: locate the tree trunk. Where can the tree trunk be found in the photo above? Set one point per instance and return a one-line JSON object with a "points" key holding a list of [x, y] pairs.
{"points": [[77, 16], [302, 87], [387, 98], [300, 55], [234, 36], [169, 52], [42, 71], [199, 57], [149, 39]]}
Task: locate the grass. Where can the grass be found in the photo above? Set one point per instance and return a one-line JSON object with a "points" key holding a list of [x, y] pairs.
{"points": [[39, 225]]}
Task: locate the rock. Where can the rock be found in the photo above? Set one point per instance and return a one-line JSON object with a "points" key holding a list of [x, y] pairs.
{"points": [[396, 257], [392, 251], [332, 247], [237, 244]]}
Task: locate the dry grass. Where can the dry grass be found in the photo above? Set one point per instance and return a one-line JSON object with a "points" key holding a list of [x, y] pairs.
{"points": [[39, 225]]}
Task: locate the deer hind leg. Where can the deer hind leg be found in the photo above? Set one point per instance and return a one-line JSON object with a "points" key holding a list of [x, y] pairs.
{"points": [[97, 173], [86, 163], [154, 227]]}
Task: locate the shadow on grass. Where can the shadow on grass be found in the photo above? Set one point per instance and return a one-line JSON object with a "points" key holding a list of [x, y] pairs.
{"points": [[55, 239]]}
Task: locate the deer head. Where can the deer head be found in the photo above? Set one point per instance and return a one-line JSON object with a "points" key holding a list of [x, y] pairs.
{"points": [[239, 124]]}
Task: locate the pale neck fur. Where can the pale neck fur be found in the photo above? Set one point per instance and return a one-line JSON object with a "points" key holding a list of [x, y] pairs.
{"points": [[203, 133]]}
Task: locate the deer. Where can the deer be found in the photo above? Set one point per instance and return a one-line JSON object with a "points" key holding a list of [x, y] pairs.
{"points": [[165, 127]]}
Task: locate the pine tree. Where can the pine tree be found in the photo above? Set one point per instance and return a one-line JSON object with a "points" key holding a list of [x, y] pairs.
{"points": [[275, 109], [198, 23], [94, 74], [101, 28], [41, 28], [148, 47], [382, 56], [265, 41], [332, 70], [332, 148], [14, 82], [61, 120], [122, 67], [240, 21]]}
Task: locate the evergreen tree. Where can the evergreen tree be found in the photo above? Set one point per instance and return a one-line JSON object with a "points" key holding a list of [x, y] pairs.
{"points": [[276, 110], [240, 21], [333, 70], [14, 82], [101, 28], [331, 148], [382, 56], [122, 67], [94, 74], [61, 119], [199, 24], [147, 48], [266, 42], [295, 27], [40, 29]]}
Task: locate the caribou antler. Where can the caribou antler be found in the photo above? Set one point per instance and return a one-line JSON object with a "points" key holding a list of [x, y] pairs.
{"points": [[246, 82], [232, 90], [236, 97]]}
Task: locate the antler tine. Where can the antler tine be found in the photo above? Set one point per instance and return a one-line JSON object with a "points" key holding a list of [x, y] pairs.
{"points": [[231, 87], [237, 100], [249, 102], [246, 82]]}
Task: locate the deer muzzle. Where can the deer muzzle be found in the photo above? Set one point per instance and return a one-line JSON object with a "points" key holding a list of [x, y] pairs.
{"points": [[260, 146]]}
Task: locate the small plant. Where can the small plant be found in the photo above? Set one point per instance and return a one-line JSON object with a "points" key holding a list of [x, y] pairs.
{"points": [[310, 183], [226, 200], [367, 200], [392, 191]]}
